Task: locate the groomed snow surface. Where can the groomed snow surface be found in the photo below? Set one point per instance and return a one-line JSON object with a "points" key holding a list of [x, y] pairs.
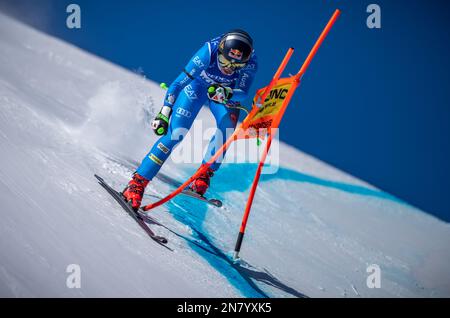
{"points": [[66, 114]]}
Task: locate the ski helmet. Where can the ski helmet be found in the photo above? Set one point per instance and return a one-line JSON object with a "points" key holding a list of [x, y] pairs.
{"points": [[236, 46]]}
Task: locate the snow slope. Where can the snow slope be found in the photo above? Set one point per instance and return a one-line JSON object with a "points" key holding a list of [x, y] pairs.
{"points": [[65, 115]]}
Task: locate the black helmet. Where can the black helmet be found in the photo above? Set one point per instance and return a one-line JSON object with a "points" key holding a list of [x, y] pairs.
{"points": [[236, 46]]}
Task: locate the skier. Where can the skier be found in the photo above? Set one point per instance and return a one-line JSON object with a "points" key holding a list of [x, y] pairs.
{"points": [[220, 73]]}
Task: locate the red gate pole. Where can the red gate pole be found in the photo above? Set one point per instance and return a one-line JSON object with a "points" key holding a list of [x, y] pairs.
{"points": [[275, 78], [277, 75], [318, 43], [237, 248]]}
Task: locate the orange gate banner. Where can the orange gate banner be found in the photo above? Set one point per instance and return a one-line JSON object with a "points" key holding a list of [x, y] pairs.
{"points": [[265, 116]]}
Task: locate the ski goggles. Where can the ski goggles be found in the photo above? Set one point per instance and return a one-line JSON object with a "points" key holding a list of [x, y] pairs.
{"points": [[224, 62]]}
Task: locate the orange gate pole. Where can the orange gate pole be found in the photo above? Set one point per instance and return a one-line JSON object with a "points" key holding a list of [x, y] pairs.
{"points": [[277, 74], [295, 83], [318, 43], [237, 247]]}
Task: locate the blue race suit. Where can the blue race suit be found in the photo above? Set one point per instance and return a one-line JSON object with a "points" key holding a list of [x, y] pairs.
{"points": [[188, 93]]}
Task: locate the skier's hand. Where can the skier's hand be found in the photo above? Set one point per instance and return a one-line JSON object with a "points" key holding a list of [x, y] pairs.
{"points": [[160, 124], [220, 94]]}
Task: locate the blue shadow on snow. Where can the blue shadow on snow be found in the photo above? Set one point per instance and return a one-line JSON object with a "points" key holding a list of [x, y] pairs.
{"points": [[238, 177]]}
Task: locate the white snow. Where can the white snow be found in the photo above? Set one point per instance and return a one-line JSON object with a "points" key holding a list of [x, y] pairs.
{"points": [[66, 114]]}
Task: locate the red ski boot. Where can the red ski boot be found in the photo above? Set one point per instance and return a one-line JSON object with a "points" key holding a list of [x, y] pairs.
{"points": [[135, 190], [201, 184]]}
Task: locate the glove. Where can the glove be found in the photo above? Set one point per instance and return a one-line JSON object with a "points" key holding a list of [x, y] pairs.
{"points": [[160, 124], [220, 94]]}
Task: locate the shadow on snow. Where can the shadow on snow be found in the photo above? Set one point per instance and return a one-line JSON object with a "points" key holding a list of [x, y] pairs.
{"points": [[192, 214]]}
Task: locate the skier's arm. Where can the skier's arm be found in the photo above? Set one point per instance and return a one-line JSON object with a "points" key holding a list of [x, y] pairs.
{"points": [[245, 80], [199, 62]]}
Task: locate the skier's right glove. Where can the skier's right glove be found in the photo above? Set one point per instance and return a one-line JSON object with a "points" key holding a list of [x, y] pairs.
{"points": [[160, 124], [220, 94]]}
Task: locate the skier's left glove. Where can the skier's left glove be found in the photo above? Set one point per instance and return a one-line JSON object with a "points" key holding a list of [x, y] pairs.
{"points": [[160, 124], [220, 94]]}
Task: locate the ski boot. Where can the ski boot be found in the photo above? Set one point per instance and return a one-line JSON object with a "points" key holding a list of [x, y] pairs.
{"points": [[134, 191], [201, 184]]}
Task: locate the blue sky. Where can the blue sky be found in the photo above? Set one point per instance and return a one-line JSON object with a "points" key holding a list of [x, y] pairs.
{"points": [[374, 102]]}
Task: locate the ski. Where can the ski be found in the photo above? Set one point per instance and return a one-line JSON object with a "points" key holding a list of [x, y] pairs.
{"points": [[192, 194], [172, 182], [137, 216]]}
